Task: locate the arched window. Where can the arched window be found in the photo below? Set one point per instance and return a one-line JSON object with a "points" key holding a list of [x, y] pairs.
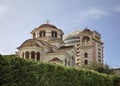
{"points": [[54, 34], [99, 60], [38, 56], [86, 62], [32, 55], [42, 33], [22, 54], [68, 63], [85, 39], [65, 62], [85, 54], [27, 54]]}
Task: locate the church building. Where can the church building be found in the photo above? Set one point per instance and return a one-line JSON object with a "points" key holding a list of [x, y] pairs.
{"points": [[88, 44], [47, 45], [81, 47]]}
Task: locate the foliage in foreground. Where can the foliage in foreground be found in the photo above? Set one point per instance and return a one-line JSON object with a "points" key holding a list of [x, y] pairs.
{"points": [[15, 71], [101, 68]]}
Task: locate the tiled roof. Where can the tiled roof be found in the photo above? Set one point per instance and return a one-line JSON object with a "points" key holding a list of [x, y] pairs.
{"points": [[86, 30], [47, 25], [35, 43], [30, 43]]}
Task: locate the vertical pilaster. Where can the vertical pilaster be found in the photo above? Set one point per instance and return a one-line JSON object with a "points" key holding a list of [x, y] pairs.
{"points": [[29, 55]]}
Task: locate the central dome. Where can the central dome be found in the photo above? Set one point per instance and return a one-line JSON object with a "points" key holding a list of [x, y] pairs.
{"points": [[47, 25]]}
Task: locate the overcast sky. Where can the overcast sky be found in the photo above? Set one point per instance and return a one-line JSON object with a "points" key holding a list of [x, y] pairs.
{"points": [[19, 17]]}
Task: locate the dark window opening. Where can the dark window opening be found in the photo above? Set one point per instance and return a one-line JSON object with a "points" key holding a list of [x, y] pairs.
{"points": [[27, 55], [68, 63], [65, 62], [86, 55], [38, 55], [32, 55], [54, 34], [42, 33], [86, 62], [99, 60], [23, 55], [85, 39]]}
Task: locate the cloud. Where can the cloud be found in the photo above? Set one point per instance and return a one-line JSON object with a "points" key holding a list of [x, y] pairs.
{"points": [[97, 13], [91, 13], [3, 10], [117, 9]]}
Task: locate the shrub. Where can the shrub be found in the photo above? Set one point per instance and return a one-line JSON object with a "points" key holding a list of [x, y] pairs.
{"points": [[20, 72]]}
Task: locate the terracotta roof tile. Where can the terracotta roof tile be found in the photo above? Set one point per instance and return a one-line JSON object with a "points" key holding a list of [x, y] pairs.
{"points": [[47, 25]]}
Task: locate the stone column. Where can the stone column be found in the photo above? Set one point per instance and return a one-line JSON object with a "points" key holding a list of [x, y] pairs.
{"points": [[29, 55], [37, 34]]}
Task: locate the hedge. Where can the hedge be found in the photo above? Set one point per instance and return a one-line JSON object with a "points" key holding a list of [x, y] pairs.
{"points": [[15, 71]]}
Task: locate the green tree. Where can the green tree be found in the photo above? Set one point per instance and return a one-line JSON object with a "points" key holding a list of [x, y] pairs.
{"points": [[101, 68]]}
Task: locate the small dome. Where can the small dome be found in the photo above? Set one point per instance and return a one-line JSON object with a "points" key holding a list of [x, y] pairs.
{"points": [[86, 30], [47, 25]]}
